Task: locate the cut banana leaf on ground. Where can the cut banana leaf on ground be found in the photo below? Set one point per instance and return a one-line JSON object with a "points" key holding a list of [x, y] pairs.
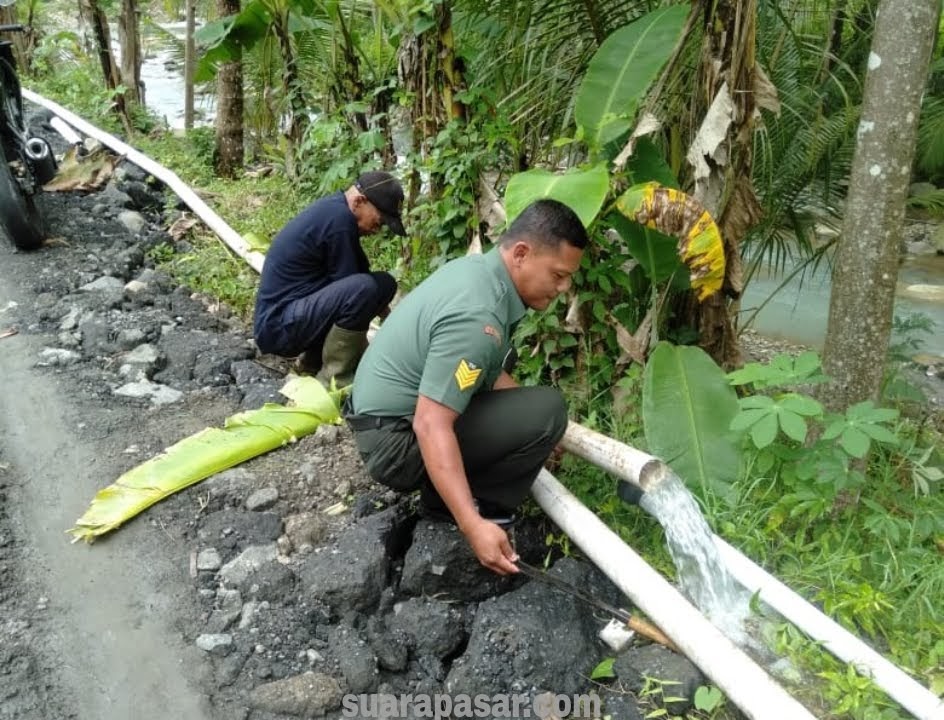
{"points": [[210, 451]]}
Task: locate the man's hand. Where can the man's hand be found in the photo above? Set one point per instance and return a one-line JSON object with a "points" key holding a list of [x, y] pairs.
{"points": [[491, 546]]}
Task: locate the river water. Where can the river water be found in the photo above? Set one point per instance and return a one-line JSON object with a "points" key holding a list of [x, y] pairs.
{"points": [[799, 312], [162, 75]]}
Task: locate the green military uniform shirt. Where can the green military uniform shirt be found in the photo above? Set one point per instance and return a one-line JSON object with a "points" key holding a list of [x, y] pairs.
{"points": [[446, 340]]}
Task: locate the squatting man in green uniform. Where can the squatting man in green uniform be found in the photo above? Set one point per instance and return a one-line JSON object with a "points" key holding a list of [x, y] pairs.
{"points": [[433, 406]]}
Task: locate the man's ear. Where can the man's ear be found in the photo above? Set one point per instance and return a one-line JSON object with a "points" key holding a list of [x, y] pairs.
{"points": [[520, 251]]}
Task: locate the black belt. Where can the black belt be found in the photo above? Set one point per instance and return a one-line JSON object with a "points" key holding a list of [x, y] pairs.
{"points": [[365, 422]]}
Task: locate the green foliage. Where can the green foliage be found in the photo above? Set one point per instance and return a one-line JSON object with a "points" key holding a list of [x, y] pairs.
{"points": [[621, 72], [604, 670], [582, 190], [688, 406]]}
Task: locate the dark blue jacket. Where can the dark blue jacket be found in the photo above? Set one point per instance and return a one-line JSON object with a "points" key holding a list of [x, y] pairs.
{"points": [[316, 248]]}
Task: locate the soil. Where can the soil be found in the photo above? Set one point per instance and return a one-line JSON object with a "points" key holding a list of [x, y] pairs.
{"points": [[240, 597]]}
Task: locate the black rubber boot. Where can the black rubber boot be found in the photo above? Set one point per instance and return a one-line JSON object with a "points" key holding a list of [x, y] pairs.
{"points": [[339, 357]]}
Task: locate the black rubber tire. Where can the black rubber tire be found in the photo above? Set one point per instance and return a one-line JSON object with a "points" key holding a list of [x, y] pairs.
{"points": [[18, 213]]}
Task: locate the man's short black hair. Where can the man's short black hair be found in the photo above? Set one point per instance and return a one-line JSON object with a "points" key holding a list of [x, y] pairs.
{"points": [[547, 223]]}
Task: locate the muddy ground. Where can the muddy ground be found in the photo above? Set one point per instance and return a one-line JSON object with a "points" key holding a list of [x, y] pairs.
{"points": [[239, 597]]}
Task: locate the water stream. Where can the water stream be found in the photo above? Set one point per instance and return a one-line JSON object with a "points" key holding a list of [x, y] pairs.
{"points": [[702, 576]]}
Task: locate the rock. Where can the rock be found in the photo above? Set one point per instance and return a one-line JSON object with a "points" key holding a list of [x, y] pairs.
{"points": [[262, 499], [115, 197], [440, 562], [230, 485], [133, 287], [923, 292], [937, 240], [273, 582], [327, 434], [352, 574], [144, 360], [621, 706], [237, 571], [432, 627], [307, 695], [132, 220], [215, 643], [159, 394], [209, 559], [70, 321], [656, 662], [247, 372], [355, 659], [130, 338], [229, 607], [50, 357], [257, 395], [105, 284], [236, 529], [531, 637], [306, 529]]}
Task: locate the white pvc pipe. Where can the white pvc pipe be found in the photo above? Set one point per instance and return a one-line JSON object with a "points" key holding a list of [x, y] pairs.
{"points": [[631, 464], [911, 694], [233, 239], [749, 687]]}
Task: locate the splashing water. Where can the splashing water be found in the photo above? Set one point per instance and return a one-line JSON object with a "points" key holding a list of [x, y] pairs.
{"points": [[702, 575]]}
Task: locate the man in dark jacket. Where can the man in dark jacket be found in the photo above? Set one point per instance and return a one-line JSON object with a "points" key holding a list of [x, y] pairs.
{"points": [[317, 294]]}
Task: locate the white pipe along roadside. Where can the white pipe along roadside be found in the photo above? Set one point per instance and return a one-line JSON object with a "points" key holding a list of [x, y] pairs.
{"points": [[233, 239], [685, 625], [748, 686], [646, 471]]}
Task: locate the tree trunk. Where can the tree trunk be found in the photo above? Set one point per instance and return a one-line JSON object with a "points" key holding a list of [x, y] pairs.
{"points": [[294, 94], [866, 266], [98, 23], [729, 79], [190, 59], [129, 38], [22, 42], [228, 155]]}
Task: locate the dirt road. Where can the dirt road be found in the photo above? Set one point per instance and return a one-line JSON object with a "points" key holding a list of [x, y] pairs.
{"points": [[87, 632]]}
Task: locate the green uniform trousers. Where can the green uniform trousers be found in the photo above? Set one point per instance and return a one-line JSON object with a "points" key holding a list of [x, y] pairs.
{"points": [[505, 437]]}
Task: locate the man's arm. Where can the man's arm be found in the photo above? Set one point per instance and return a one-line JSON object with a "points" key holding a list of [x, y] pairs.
{"points": [[433, 424], [504, 382]]}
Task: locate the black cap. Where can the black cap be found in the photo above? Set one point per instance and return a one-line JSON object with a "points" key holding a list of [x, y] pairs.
{"points": [[386, 194]]}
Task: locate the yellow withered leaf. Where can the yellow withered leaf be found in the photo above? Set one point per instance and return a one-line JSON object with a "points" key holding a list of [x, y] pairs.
{"points": [[210, 451], [674, 213]]}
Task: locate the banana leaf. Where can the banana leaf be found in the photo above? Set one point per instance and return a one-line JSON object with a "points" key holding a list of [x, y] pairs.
{"points": [[687, 408], [210, 451]]}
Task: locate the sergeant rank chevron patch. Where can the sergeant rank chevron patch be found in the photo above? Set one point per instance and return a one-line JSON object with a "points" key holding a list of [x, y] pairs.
{"points": [[466, 374]]}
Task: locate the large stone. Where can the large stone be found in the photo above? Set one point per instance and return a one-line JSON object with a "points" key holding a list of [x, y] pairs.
{"points": [[352, 574], [272, 581], [215, 643], [654, 663], [432, 627], [306, 695], [440, 562], [158, 394], [305, 529], [533, 637], [355, 659], [132, 220], [238, 570]]}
